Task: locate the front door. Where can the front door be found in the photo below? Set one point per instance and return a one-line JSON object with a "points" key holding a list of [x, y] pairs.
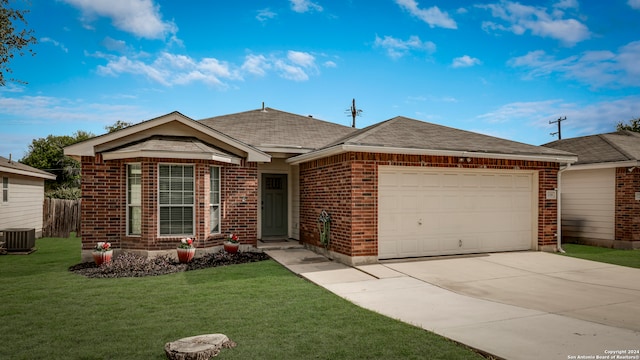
{"points": [[274, 205]]}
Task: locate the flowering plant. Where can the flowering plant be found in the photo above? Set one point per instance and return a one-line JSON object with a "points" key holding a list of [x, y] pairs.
{"points": [[186, 243], [233, 238], [102, 246]]}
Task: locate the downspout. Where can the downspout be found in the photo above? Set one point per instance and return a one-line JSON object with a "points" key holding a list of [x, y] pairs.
{"points": [[559, 208]]}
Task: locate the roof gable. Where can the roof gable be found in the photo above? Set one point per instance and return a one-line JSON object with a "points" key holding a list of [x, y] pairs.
{"points": [[614, 147], [174, 124], [278, 131]]}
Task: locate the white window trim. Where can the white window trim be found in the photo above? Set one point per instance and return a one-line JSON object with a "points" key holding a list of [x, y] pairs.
{"points": [[193, 206], [129, 204], [211, 204], [4, 200]]}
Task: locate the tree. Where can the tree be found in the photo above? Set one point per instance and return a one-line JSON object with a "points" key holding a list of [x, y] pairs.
{"points": [[118, 125], [12, 40], [48, 154], [633, 125]]}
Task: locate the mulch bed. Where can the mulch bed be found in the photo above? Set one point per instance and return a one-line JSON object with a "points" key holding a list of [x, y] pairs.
{"points": [[132, 265]]}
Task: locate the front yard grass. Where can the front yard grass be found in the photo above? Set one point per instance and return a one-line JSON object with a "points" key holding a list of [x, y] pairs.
{"points": [[47, 312], [630, 258]]}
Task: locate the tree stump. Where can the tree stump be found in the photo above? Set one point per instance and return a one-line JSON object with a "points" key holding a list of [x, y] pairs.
{"points": [[201, 347]]}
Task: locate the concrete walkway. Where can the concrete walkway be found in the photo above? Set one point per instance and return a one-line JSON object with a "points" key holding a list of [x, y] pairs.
{"points": [[525, 305]]}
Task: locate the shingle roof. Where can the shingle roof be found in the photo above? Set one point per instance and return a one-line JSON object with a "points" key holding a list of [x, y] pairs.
{"points": [[275, 128], [602, 148], [19, 168], [402, 132]]}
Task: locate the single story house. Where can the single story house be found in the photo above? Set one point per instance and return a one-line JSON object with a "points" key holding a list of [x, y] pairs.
{"points": [[399, 188], [21, 196], [601, 191]]}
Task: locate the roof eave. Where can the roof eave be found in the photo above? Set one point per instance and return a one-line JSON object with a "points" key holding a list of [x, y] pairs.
{"points": [[171, 154], [27, 173], [334, 150], [605, 165]]}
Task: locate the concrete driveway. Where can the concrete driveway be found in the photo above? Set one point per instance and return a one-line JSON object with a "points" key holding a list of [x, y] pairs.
{"points": [[522, 305]]}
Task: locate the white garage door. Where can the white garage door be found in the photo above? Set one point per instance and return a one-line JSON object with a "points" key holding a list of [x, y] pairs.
{"points": [[423, 212]]}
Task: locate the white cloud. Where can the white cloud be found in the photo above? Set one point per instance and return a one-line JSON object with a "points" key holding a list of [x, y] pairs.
{"points": [[582, 119], [595, 68], [114, 45], [330, 64], [520, 18], [635, 4], [174, 69], [432, 16], [265, 14], [302, 6], [397, 48], [256, 65], [54, 43], [465, 61], [139, 17]]}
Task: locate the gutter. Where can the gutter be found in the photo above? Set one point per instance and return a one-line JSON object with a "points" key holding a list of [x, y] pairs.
{"points": [[559, 208], [338, 149]]}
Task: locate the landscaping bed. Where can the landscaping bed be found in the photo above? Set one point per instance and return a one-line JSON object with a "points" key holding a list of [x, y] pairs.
{"points": [[132, 265]]}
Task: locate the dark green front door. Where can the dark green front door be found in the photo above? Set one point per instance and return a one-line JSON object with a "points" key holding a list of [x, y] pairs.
{"points": [[274, 205]]}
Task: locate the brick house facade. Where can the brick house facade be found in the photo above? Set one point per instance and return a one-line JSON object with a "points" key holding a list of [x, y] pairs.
{"points": [[346, 186], [104, 195], [334, 168]]}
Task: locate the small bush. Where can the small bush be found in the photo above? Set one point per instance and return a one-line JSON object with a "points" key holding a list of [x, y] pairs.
{"points": [[132, 265]]}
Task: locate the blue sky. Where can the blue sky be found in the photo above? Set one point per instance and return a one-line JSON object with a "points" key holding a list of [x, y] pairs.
{"points": [[500, 68]]}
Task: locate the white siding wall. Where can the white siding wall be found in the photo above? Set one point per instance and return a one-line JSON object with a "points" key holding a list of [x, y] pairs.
{"points": [[588, 204], [24, 209]]}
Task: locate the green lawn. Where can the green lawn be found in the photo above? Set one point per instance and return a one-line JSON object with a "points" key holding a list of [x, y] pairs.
{"points": [[629, 258], [47, 312]]}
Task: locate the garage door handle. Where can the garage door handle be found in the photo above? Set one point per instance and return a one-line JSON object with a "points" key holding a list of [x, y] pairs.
{"points": [[419, 221]]}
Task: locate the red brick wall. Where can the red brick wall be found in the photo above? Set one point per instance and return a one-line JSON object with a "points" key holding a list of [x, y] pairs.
{"points": [[103, 207], [627, 207], [346, 186]]}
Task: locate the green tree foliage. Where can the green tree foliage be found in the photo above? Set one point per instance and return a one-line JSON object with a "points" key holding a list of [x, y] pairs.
{"points": [[48, 154], [12, 40], [633, 125], [118, 125]]}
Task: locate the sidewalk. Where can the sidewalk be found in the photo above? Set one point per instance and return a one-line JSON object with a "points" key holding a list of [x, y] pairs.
{"points": [[506, 331]]}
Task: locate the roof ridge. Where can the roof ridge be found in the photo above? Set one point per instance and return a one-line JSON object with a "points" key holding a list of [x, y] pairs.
{"points": [[615, 146]]}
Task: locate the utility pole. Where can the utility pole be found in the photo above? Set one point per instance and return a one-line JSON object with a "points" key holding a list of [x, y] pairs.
{"points": [[354, 112], [559, 132]]}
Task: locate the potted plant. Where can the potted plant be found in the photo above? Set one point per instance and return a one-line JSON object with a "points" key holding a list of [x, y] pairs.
{"points": [[102, 253], [186, 250], [232, 244]]}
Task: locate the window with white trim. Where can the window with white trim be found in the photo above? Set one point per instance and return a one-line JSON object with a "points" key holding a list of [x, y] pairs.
{"points": [[214, 200], [5, 189], [176, 199], [134, 199]]}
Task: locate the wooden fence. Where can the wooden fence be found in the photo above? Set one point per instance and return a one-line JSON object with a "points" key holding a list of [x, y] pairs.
{"points": [[61, 217]]}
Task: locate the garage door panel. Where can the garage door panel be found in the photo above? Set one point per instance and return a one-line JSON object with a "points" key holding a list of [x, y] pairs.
{"points": [[454, 212]]}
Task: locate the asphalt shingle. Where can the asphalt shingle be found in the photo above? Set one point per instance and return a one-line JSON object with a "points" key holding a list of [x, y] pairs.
{"points": [[602, 148]]}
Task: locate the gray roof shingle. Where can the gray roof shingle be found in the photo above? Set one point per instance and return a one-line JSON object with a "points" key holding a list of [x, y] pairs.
{"points": [[275, 128], [402, 132], [602, 148]]}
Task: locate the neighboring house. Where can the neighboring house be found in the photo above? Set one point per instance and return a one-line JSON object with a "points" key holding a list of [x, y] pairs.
{"points": [[21, 195], [601, 192], [399, 188]]}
